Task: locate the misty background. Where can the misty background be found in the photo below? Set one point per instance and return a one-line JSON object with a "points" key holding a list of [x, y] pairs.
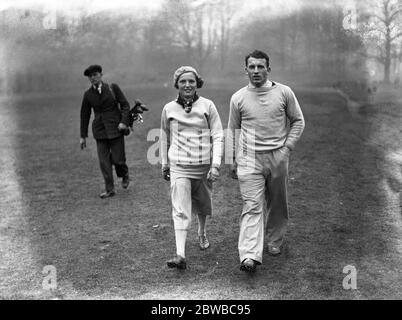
{"points": [[45, 48]]}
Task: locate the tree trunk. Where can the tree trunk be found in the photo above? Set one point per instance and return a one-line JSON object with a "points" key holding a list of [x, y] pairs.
{"points": [[387, 62], [222, 45]]}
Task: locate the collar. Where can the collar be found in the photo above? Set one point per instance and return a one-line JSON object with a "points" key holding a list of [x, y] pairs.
{"points": [[267, 84], [187, 106], [97, 87]]}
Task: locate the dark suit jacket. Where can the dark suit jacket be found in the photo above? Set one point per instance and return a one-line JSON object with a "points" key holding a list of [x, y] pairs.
{"points": [[106, 110]]}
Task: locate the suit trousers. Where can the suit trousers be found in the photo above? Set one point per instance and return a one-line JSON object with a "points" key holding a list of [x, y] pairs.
{"points": [[263, 186], [111, 152]]}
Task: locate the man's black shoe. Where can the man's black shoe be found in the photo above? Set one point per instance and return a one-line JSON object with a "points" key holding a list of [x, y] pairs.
{"points": [[274, 250], [248, 265], [107, 194], [125, 182]]}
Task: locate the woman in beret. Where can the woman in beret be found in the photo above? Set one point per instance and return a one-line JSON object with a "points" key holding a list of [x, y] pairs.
{"points": [[191, 152]]}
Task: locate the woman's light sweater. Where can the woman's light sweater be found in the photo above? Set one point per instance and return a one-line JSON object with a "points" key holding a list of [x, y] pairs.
{"points": [[191, 142]]}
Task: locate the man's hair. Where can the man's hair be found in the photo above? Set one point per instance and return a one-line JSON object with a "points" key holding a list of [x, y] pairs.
{"points": [[258, 55]]}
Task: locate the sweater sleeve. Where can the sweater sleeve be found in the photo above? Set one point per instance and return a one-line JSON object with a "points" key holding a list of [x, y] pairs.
{"points": [[234, 124], [295, 116], [217, 135], [85, 116], [164, 138]]}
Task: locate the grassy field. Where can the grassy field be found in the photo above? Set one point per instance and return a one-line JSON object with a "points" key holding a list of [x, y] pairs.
{"points": [[345, 209]]}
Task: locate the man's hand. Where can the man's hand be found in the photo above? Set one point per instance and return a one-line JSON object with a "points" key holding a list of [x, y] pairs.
{"points": [[83, 143], [122, 127], [166, 173], [285, 151], [233, 170], [213, 174]]}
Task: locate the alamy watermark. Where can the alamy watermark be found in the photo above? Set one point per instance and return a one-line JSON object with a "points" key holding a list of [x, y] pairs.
{"points": [[349, 16], [49, 21], [350, 281], [50, 280], [188, 146]]}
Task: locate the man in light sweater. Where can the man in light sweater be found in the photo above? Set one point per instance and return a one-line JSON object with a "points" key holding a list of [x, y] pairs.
{"points": [[261, 111]]}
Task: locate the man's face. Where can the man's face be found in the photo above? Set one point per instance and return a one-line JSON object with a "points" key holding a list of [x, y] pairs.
{"points": [[95, 78], [187, 84], [257, 71]]}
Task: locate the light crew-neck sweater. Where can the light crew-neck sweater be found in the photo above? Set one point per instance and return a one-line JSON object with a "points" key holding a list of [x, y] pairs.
{"points": [[263, 114], [191, 142]]}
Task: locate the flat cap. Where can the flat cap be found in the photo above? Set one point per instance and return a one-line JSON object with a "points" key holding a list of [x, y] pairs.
{"points": [[91, 69]]}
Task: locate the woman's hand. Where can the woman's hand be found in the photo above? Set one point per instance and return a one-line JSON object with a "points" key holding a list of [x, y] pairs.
{"points": [[166, 173], [233, 170]]}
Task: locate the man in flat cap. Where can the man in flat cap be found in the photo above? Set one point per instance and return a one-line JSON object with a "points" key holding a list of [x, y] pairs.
{"points": [[108, 126]]}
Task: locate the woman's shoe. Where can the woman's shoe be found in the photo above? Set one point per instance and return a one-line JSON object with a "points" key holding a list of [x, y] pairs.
{"points": [[177, 262], [204, 243]]}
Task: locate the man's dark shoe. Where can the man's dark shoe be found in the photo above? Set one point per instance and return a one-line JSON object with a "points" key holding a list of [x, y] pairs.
{"points": [[177, 262], [125, 182], [248, 265], [107, 194], [274, 250]]}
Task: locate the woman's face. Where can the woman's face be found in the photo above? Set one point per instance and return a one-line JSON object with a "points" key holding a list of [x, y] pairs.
{"points": [[187, 85]]}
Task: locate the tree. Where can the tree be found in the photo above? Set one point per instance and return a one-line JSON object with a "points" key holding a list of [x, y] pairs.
{"points": [[226, 12], [196, 28], [308, 43], [381, 27]]}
